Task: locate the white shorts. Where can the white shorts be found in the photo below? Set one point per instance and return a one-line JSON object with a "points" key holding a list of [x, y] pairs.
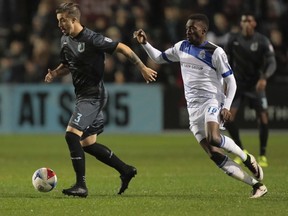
{"points": [[209, 111]]}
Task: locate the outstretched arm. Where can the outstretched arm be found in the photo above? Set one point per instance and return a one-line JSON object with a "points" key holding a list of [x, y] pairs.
{"points": [[152, 52], [61, 70], [148, 74]]}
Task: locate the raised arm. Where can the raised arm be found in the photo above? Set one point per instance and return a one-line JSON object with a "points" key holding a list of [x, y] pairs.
{"points": [[152, 52], [148, 74]]}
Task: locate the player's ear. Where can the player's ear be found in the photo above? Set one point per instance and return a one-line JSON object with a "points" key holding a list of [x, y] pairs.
{"points": [[204, 31]]}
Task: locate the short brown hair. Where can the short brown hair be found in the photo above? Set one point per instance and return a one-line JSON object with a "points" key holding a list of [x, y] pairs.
{"points": [[72, 9]]}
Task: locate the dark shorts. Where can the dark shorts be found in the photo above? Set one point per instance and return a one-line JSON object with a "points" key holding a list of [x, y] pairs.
{"points": [[88, 116], [256, 100]]}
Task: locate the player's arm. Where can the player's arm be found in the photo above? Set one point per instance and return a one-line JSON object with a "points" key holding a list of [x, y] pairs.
{"points": [[148, 74], [220, 62], [269, 67], [152, 52], [231, 87], [269, 60], [230, 90], [60, 71]]}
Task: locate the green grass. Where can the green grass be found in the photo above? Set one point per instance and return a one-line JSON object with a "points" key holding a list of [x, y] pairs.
{"points": [[175, 177]]}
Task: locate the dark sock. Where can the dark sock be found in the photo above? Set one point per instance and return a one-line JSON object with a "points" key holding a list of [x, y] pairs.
{"points": [[234, 133], [77, 157], [219, 159], [263, 135], [105, 155], [247, 162]]}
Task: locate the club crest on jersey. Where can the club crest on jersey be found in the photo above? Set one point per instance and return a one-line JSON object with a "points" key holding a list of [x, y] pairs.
{"points": [[254, 46], [202, 54], [108, 39], [81, 47]]}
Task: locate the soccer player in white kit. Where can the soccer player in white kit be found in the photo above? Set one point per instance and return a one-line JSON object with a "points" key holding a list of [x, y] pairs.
{"points": [[206, 73]]}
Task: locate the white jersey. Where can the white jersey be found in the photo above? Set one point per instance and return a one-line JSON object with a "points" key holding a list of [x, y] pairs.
{"points": [[202, 67]]}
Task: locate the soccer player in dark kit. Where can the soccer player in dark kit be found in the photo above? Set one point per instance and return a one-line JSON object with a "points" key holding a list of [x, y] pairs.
{"points": [[82, 55], [252, 58]]}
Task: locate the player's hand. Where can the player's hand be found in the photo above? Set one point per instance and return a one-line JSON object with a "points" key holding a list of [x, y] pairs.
{"points": [[149, 75], [49, 76], [225, 115], [140, 36], [261, 85]]}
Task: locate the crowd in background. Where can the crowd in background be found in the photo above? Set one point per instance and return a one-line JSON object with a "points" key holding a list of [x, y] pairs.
{"points": [[30, 37]]}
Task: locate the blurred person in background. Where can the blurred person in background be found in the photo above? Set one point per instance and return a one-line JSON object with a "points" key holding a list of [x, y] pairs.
{"points": [[281, 55], [220, 32], [252, 58], [83, 56], [12, 63]]}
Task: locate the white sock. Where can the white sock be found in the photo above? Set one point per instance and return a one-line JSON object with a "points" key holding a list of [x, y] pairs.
{"points": [[230, 146], [234, 170]]}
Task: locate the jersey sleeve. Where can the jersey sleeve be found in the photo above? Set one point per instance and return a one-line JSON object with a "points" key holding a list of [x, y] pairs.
{"points": [[268, 48], [172, 54], [220, 62], [168, 56], [270, 63], [104, 44]]}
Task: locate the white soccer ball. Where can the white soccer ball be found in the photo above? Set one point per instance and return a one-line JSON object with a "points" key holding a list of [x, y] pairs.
{"points": [[44, 179]]}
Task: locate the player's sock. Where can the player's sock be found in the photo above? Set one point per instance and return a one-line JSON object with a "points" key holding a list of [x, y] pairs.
{"points": [[77, 157], [232, 169], [105, 155], [263, 133], [234, 133], [230, 146]]}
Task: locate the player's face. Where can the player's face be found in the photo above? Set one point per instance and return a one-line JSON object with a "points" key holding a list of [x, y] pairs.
{"points": [[248, 24], [195, 32], [65, 23]]}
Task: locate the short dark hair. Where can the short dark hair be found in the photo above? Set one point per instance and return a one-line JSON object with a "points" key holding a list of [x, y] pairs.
{"points": [[248, 13], [200, 17], [72, 9]]}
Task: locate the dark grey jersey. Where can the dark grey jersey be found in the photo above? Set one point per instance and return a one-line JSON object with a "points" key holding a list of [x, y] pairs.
{"points": [[84, 55], [248, 57]]}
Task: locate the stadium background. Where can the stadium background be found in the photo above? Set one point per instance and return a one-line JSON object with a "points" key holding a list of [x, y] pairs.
{"points": [[29, 44]]}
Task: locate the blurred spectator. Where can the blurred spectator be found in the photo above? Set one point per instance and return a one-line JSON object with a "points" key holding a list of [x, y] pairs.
{"points": [[31, 26], [281, 55], [220, 32], [12, 63]]}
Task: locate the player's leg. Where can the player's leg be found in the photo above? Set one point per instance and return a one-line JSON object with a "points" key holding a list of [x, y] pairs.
{"points": [[104, 154], [233, 129], [78, 161], [197, 126], [81, 118], [261, 107], [214, 138], [233, 169]]}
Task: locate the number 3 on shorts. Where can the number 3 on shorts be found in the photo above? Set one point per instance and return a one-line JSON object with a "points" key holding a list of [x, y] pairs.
{"points": [[78, 118]]}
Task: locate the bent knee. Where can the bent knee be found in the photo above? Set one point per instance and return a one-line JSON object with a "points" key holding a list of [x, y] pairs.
{"points": [[214, 140]]}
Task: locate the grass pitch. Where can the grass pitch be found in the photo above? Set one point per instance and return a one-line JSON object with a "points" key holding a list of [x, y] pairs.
{"points": [[175, 177]]}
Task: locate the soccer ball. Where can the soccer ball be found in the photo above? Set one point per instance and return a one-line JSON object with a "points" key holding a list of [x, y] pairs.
{"points": [[44, 179]]}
